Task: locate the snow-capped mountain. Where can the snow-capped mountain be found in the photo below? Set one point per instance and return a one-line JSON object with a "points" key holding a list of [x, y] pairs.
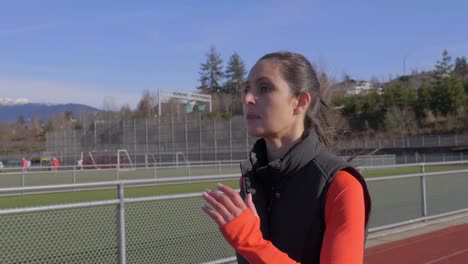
{"points": [[11, 101], [11, 109]]}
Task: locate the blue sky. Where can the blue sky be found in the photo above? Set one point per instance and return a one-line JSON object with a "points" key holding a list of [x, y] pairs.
{"points": [[95, 51]]}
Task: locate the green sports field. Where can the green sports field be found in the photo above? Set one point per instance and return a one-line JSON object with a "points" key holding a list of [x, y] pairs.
{"points": [[35, 178], [82, 176], [412, 170]]}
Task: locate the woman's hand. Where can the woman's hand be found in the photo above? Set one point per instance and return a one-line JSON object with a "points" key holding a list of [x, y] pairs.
{"points": [[226, 205]]}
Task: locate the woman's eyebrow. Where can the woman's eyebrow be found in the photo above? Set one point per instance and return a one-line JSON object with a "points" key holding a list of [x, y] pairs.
{"points": [[258, 80], [261, 79]]}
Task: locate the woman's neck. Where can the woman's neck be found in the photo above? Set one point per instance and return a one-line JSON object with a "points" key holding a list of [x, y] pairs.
{"points": [[277, 147]]}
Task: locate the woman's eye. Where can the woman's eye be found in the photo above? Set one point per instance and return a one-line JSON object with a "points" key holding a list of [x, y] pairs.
{"points": [[264, 89]]}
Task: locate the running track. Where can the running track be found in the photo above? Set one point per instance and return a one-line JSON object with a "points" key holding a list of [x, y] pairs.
{"points": [[449, 245]]}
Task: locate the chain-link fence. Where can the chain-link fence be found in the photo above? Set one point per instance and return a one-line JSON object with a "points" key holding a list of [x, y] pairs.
{"points": [[437, 190], [194, 138], [36, 176], [398, 142], [156, 229], [173, 228], [157, 140]]}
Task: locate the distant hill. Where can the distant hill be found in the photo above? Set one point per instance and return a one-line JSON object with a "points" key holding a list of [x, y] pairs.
{"points": [[11, 112], [414, 80]]}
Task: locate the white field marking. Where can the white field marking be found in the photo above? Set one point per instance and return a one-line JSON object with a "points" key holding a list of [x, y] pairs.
{"points": [[448, 256]]}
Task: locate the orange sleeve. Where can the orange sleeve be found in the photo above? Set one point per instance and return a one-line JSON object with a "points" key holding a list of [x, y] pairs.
{"points": [[343, 240], [244, 235]]}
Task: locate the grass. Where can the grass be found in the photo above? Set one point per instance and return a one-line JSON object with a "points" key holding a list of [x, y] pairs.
{"points": [[411, 170], [105, 194]]}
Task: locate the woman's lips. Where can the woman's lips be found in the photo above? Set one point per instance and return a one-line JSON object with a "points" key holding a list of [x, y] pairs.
{"points": [[251, 116]]}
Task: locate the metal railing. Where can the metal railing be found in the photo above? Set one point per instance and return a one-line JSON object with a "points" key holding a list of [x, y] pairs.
{"points": [[173, 229], [34, 176], [418, 197], [46, 175], [152, 229]]}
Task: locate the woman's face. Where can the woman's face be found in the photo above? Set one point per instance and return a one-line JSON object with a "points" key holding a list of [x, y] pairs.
{"points": [[268, 102]]}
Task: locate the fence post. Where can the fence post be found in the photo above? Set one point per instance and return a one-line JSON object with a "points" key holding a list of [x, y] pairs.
{"points": [[159, 138], [146, 141], [74, 175], [423, 192], [22, 178], [189, 169], [172, 135], [186, 136], [214, 140], [134, 142], [200, 136], [117, 172], [230, 138], [122, 241], [219, 168]]}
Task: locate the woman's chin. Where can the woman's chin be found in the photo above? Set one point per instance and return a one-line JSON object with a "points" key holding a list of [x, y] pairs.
{"points": [[255, 132]]}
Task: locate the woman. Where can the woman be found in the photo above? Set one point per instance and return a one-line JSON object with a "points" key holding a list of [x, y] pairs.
{"points": [[298, 202]]}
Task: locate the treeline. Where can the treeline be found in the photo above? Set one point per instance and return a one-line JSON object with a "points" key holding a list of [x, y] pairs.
{"points": [[421, 103], [428, 102], [25, 136], [223, 81]]}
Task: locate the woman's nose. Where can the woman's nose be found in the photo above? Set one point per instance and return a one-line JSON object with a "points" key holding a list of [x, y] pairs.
{"points": [[249, 98]]}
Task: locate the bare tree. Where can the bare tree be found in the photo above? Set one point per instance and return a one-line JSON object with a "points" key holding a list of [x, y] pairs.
{"points": [[146, 106]]}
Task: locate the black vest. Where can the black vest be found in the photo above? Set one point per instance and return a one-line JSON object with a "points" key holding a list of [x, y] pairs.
{"points": [[289, 195]]}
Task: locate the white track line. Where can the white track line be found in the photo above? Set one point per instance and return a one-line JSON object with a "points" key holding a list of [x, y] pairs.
{"points": [[448, 256], [416, 240]]}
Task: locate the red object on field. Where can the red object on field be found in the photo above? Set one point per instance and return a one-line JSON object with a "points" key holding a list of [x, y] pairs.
{"points": [[55, 164], [24, 164]]}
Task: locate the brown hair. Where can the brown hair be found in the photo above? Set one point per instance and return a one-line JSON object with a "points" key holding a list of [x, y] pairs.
{"points": [[300, 75]]}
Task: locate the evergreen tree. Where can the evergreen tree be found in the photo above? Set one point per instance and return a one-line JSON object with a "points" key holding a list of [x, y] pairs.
{"points": [[211, 73], [235, 75], [69, 115], [423, 101], [443, 68], [21, 120], [447, 96], [461, 68]]}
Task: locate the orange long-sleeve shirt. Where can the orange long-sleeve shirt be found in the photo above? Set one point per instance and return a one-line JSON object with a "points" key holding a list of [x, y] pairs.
{"points": [[343, 240]]}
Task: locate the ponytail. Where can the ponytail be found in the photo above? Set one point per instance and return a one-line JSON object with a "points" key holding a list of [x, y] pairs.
{"points": [[318, 118]]}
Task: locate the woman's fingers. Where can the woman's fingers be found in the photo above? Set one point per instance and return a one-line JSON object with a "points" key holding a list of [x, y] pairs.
{"points": [[226, 204], [233, 196], [217, 203], [214, 215], [250, 204]]}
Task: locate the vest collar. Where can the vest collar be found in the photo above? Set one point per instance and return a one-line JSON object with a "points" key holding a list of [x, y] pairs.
{"points": [[295, 158]]}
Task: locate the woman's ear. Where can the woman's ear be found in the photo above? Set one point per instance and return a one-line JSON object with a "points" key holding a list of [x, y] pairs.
{"points": [[303, 102]]}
